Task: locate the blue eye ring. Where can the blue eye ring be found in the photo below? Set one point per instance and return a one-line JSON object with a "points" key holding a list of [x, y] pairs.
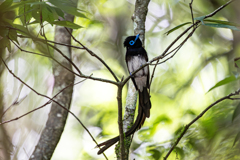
{"points": [[132, 42]]}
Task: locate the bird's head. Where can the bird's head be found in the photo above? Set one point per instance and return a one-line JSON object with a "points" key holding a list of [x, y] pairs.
{"points": [[132, 42]]}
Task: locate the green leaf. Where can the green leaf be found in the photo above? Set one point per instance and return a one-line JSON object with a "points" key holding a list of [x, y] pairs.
{"points": [[5, 5], [238, 63], [156, 154], [5, 42], [224, 81], [59, 12], [221, 26], [52, 9], [47, 14], [67, 8], [177, 27], [36, 3], [161, 119], [236, 112], [67, 24], [222, 22], [36, 15], [179, 151], [34, 22], [3, 31], [200, 18], [13, 35], [19, 4], [25, 13], [21, 29], [237, 138]]}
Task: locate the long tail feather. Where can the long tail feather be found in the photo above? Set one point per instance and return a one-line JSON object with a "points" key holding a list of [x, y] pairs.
{"points": [[143, 112]]}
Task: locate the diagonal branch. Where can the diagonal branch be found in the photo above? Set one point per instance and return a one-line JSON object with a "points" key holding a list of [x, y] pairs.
{"points": [[49, 56], [48, 102], [176, 40], [199, 116], [94, 55]]}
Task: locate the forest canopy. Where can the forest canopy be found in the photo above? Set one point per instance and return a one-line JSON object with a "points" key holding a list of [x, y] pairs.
{"points": [[78, 45]]}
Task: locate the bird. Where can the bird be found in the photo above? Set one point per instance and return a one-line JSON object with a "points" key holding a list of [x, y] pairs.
{"points": [[136, 56]]}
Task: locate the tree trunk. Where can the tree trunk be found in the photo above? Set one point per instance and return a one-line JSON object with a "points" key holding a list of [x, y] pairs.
{"points": [[57, 117]]}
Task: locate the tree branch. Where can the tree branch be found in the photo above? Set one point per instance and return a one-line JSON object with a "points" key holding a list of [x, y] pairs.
{"points": [[122, 155], [94, 55], [199, 116], [48, 102], [49, 56], [139, 18]]}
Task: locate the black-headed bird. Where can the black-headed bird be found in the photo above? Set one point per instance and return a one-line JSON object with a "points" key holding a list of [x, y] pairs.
{"points": [[136, 56]]}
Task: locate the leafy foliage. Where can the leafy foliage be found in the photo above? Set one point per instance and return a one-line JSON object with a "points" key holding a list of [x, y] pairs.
{"points": [[33, 12], [225, 81], [179, 86]]}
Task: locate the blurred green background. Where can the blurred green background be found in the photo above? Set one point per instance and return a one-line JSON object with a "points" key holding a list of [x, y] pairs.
{"points": [[179, 91]]}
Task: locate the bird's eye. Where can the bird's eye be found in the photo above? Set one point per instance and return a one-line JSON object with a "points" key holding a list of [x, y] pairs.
{"points": [[131, 42]]}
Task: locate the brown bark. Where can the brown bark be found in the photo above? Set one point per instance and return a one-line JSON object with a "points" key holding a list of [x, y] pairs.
{"points": [[57, 117], [139, 18]]}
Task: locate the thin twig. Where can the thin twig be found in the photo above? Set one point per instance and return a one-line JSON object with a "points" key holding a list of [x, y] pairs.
{"points": [[198, 117], [16, 101], [48, 102], [183, 33], [218, 9], [94, 55], [190, 5], [177, 48], [81, 76], [166, 50], [67, 45], [63, 44], [23, 50]]}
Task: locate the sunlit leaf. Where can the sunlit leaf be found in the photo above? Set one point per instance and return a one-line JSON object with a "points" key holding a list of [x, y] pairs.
{"points": [[162, 118], [177, 27], [224, 81], [236, 112], [190, 112], [179, 151], [67, 24], [156, 154], [221, 26], [179, 130]]}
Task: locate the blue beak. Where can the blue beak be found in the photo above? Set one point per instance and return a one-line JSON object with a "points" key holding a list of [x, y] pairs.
{"points": [[133, 42]]}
